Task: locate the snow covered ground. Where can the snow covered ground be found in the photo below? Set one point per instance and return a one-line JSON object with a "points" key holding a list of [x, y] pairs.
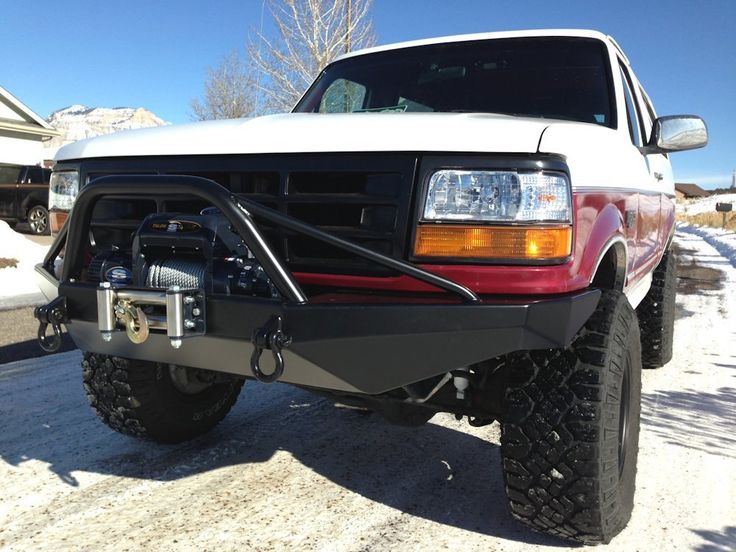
{"points": [[723, 240], [288, 471], [18, 285], [704, 204]]}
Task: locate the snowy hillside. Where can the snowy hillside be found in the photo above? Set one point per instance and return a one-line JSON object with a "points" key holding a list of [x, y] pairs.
{"points": [[78, 122], [704, 204]]}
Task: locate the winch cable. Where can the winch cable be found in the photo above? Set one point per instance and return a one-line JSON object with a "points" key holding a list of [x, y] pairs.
{"points": [[187, 274]]}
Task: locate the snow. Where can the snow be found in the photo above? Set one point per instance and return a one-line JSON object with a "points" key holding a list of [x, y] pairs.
{"points": [[253, 483], [704, 204], [18, 285], [724, 241]]}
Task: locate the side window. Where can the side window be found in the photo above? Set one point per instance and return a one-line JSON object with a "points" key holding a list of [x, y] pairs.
{"points": [[342, 96], [648, 112], [631, 112], [9, 174], [35, 175]]}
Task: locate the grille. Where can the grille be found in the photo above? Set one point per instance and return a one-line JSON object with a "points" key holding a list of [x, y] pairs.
{"points": [[364, 198], [363, 207]]}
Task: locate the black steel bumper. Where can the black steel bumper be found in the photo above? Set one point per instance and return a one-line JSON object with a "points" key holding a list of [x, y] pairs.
{"points": [[351, 344]]}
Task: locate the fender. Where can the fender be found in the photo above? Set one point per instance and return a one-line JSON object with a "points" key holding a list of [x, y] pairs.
{"points": [[34, 198], [596, 237]]}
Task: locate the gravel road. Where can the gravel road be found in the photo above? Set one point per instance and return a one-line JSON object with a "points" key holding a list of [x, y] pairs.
{"points": [[289, 471]]}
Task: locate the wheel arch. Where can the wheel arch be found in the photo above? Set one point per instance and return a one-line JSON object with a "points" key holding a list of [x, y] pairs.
{"points": [[30, 201], [606, 253], [609, 271]]}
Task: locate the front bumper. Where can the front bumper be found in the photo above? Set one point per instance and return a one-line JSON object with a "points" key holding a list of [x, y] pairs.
{"points": [[356, 344]]}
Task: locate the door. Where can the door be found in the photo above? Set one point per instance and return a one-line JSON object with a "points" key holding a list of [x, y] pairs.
{"points": [[9, 178], [646, 220]]}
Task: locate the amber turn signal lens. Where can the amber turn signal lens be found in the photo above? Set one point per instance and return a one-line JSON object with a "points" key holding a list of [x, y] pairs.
{"points": [[57, 220], [493, 242]]}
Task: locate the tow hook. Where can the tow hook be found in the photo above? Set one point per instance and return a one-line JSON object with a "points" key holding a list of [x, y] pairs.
{"points": [[55, 314], [134, 320], [271, 336]]}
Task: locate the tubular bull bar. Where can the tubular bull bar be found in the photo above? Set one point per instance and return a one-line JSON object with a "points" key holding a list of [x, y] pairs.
{"points": [[367, 344]]}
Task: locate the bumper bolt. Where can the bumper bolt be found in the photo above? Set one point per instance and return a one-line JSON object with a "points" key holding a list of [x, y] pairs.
{"points": [[106, 336], [175, 343]]}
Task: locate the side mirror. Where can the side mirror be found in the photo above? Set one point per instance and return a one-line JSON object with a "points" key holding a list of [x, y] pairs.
{"points": [[677, 133]]}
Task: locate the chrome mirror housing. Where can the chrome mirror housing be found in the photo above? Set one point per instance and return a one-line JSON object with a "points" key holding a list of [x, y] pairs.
{"points": [[677, 133]]}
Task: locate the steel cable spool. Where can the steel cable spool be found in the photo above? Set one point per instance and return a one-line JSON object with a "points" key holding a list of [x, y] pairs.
{"points": [[184, 273]]}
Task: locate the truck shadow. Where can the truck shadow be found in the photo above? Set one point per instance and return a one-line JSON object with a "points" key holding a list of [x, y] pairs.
{"points": [[434, 472], [694, 419], [717, 541]]}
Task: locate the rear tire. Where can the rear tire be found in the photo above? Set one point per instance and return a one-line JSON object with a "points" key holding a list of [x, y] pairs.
{"points": [[656, 314], [570, 433], [156, 401]]}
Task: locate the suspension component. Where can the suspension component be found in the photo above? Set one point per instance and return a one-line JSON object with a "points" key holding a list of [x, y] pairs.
{"points": [[461, 380]]}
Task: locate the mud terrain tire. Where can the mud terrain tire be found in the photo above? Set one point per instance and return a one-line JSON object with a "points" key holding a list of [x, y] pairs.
{"points": [[656, 314], [569, 437], [141, 399]]}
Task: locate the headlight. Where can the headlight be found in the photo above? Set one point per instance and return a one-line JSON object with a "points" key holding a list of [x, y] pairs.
{"points": [[497, 196], [63, 188], [496, 215]]}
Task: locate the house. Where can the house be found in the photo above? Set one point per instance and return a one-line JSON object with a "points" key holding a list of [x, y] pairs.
{"points": [[22, 132], [688, 191]]}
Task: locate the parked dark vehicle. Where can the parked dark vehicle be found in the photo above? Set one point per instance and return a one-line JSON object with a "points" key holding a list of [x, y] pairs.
{"points": [[24, 196]]}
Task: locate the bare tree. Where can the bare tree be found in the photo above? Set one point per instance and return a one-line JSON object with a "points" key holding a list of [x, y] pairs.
{"points": [[309, 35], [229, 91]]}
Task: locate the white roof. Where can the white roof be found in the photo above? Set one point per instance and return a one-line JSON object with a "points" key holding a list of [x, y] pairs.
{"points": [[27, 121], [584, 33]]}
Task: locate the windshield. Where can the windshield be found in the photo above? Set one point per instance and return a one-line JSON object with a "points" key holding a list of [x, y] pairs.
{"points": [[551, 77]]}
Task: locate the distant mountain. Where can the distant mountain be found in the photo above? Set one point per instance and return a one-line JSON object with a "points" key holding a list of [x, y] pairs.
{"points": [[78, 122]]}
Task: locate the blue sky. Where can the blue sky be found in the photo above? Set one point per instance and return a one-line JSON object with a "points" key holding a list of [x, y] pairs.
{"points": [[153, 54]]}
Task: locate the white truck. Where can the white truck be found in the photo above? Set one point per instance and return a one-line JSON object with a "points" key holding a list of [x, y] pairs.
{"points": [[478, 225]]}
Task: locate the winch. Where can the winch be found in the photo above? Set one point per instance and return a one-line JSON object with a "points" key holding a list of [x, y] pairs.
{"points": [[176, 260]]}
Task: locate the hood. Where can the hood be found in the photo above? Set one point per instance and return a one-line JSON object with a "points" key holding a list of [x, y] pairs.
{"points": [[310, 133]]}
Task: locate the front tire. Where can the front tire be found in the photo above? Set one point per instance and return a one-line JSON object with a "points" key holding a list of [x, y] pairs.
{"points": [[164, 403], [38, 219], [570, 433]]}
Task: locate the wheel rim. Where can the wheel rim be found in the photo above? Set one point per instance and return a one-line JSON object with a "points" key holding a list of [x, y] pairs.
{"points": [[623, 416], [38, 220]]}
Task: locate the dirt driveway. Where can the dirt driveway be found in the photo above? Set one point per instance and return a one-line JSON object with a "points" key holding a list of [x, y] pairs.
{"points": [[289, 471]]}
